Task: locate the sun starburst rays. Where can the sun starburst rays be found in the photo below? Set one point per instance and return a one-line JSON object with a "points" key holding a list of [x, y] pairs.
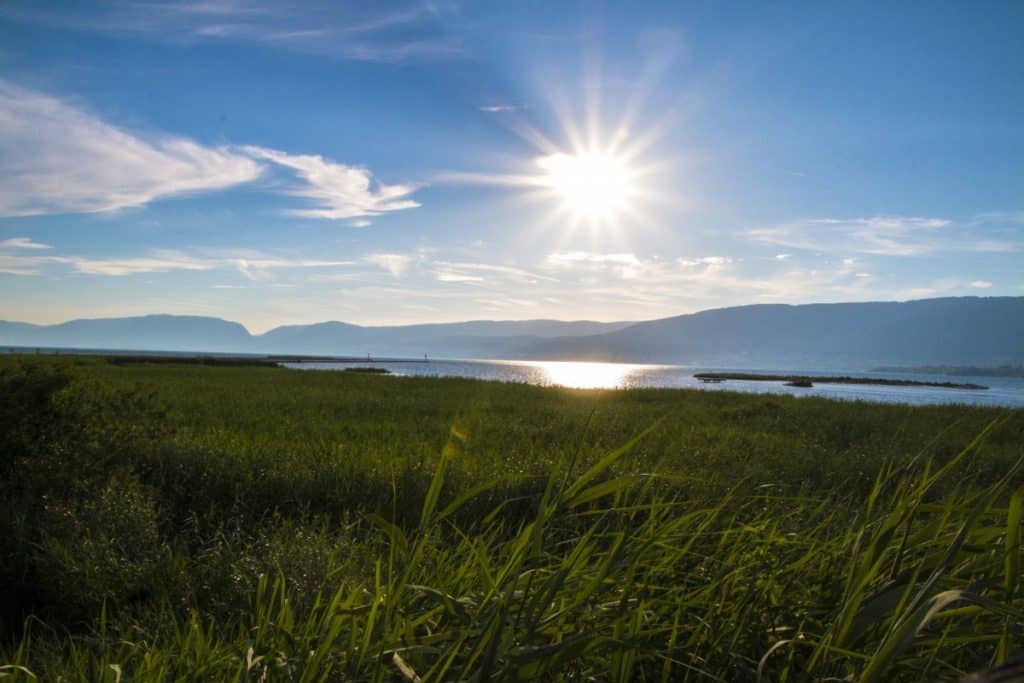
{"points": [[595, 175]]}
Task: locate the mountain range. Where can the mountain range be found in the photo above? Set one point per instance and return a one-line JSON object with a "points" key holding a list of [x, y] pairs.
{"points": [[981, 331]]}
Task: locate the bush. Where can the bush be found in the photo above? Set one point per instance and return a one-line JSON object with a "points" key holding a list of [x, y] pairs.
{"points": [[79, 527], [98, 549]]}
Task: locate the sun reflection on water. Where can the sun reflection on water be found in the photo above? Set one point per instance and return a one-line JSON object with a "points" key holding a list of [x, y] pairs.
{"points": [[580, 375]]}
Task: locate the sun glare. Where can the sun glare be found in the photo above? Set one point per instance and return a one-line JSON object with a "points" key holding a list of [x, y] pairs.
{"points": [[583, 375], [591, 185]]}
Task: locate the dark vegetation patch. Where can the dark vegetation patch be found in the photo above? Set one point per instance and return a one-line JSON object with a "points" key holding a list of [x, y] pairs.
{"points": [[222, 361], [808, 380]]}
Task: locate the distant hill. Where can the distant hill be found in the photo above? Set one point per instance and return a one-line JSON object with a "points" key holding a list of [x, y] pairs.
{"points": [[953, 331], [961, 330], [475, 339], [156, 332]]}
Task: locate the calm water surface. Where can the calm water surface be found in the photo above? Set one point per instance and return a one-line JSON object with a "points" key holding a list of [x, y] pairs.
{"points": [[1002, 391]]}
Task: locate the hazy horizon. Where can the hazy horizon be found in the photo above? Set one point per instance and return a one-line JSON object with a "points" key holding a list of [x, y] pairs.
{"points": [[455, 321], [260, 331]]}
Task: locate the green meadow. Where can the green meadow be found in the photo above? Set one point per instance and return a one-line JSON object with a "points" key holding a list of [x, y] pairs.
{"points": [[195, 522]]}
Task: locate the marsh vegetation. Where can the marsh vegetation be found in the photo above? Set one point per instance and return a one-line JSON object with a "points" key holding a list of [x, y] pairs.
{"points": [[169, 521]]}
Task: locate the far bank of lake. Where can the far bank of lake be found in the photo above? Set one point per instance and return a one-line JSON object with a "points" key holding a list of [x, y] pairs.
{"points": [[885, 387]]}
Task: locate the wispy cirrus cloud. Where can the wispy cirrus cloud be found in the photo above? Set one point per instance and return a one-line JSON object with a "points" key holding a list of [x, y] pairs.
{"points": [[629, 266], [374, 32], [499, 108], [159, 261], [481, 272], [56, 158], [451, 276], [339, 191], [258, 267], [575, 258], [21, 256], [896, 235], [22, 243], [628, 280], [704, 261], [254, 266], [14, 264], [396, 264]]}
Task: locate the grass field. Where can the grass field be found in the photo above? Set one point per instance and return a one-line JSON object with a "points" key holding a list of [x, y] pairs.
{"points": [[179, 522]]}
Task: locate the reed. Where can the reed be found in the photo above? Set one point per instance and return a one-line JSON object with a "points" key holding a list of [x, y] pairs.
{"points": [[334, 526]]}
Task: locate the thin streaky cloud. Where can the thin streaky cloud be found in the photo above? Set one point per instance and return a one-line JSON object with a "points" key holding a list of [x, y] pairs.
{"points": [[159, 262], [449, 276], [887, 236], [570, 258], [252, 266], [22, 243], [396, 264], [498, 269], [337, 190], [345, 31], [258, 268], [56, 158]]}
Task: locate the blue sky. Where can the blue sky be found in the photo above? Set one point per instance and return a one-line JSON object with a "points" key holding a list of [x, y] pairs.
{"points": [[388, 163]]}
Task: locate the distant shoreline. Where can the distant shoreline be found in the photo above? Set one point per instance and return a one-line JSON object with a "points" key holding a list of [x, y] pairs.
{"points": [[805, 380], [118, 357], [957, 370]]}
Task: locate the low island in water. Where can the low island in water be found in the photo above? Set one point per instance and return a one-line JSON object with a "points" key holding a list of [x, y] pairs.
{"points": [[958, 370], [809, 380]]}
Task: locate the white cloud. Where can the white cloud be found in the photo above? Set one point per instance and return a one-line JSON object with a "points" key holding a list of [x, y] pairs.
{"points": [[338, 190], [704, 261], [501, 271], [396, 264], [254, 266], [15, 261], [782, 257], [889, 222], [448, 276], [55, 158], [12, 264], [377, 32], [981, 284], [571, 258], [160, 261], [22, 243], [257, 267], [499, 108], [637, 285], [894, 235]]}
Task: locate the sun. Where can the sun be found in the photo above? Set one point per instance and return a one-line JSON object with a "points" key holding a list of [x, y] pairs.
{"points": [[592, 184]]}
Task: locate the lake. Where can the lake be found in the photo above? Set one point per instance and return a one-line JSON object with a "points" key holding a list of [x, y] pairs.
{"points": [[1002, 391]]}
